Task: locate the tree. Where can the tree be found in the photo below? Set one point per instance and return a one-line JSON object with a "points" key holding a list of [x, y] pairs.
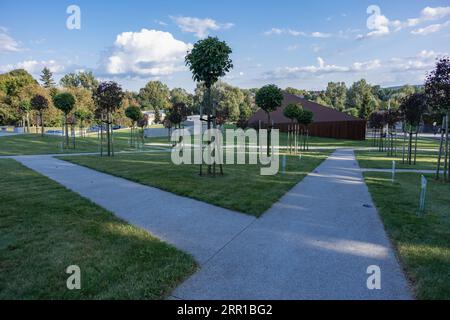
{"points": [[155, 95], [177, 114], [437, 89], [412, 109], [291, 111], [179, 95], [47, 78], [269, 98], [65, 102], [81, 79], [108, 98], [40, 103], [209, 60], [82, 116], [305, 118], [336, 93], [360, 96], [134, 113]]}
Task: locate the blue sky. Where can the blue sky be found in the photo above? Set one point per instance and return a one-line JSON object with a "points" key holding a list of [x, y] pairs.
{"points": [[303, 44]]}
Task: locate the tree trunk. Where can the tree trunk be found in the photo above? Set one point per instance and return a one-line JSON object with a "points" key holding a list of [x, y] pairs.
{"points": [[66, 129], [41, 115], [269, 129], [108, 134]]}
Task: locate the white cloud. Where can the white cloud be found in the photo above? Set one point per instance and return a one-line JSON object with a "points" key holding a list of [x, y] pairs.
{"points": [[429, 14], [273, 31], [146, 53], [415, 65], [35, 66], [320, 35], [430, 29], [199, 27], [7, 43], [296, 33]]}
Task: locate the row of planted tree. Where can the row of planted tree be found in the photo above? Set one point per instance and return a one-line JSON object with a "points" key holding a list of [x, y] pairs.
{"points": [[433, 102]]}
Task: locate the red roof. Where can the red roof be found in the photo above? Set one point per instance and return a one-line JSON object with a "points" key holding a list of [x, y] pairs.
{"points": [[321, 113]]}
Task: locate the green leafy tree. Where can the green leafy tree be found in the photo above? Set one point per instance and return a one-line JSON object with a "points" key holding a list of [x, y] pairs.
{"points": [[209, 60], [47, 78], [155, 95], [65, 102], [291, 111], [180, 95], [40, 104], [134, 113], [361, 97], [82, 79], [305, 118], [336, 93], [83, 116], [108, 98], [269, 98], [412, 109], [437, 88]]}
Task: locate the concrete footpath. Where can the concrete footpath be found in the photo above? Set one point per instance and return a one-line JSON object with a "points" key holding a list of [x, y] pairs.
{"points": [[193, 226], [315, 243]]}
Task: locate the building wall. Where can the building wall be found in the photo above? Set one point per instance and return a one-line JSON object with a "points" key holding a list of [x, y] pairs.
{"points": [[352, 130]]}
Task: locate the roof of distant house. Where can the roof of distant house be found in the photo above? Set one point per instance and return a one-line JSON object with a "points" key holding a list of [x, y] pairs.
{"points": [[321, 113]]}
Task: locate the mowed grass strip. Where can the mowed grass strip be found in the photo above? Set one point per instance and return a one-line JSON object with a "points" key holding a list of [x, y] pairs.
{"points": [[242, 188], [426, 160], [423, 243], [44, 228]]}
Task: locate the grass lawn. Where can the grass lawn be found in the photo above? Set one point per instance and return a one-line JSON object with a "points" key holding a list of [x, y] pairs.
{"points": [[36, 144], [44, 228], [242, 188], [426, 160], [423, 244]]}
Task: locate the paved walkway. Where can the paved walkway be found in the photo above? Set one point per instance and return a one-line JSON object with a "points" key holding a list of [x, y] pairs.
{"points": [[193, 226], [315, 243]]}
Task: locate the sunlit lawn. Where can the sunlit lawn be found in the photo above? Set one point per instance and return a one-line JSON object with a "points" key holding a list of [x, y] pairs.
{"points": [[426, 160], [44, 228], [423, 243], [36, 144], [242, 188]]}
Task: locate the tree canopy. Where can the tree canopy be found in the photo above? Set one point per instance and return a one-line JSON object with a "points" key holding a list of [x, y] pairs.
{"points": [[155, 95], [209, 60], [269, 98], [64, 101]]}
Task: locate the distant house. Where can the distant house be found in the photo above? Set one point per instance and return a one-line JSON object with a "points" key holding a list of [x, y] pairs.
{"points": [[328, 122], [151, 116]]}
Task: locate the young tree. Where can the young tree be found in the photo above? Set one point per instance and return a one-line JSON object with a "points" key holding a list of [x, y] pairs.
{"points": [[412, 109], [134, 113], [40, 103], [305, 118], [269, 98], [65, 102], [108, 98], [47, 78], [437, 89], [209, 60], [291, 111], [82, 116]]}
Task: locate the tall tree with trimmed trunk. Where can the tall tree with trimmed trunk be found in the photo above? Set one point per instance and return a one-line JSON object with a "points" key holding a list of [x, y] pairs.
{"points": [[40, 103], [209, 60], [437, 89], [65, 102], [108, 98], [269, 98], [133, 113], [412, 109]]}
